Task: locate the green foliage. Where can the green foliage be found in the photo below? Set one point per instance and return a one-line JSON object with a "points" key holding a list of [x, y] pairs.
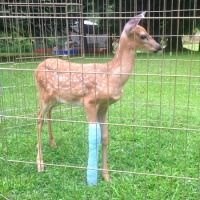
{"points": [[14, 43]]}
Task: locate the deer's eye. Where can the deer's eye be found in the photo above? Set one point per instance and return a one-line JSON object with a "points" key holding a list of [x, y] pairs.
{"points": [[143, 37]]}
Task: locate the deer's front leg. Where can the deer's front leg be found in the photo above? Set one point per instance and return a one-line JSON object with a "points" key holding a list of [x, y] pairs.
{"points": [[104, 132], [105, 172], [94, 140]]}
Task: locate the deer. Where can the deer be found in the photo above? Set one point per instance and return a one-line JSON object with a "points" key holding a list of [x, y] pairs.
{"points": [[95, 86]]}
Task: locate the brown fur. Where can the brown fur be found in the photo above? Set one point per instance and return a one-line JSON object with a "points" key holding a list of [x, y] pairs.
{"points": [[94, 86]]}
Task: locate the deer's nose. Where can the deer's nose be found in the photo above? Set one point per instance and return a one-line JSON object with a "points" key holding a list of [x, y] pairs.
{"points": [[158, 48]]}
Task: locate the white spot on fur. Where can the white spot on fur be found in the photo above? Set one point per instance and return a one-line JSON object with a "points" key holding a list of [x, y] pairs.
{"points": [[60, 100]]}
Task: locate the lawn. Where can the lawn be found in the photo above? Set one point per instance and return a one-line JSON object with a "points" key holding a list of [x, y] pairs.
{"points": [[154, 148]]}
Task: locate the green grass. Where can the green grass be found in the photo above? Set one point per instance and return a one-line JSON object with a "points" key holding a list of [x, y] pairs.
{"points": [[154, 133]]}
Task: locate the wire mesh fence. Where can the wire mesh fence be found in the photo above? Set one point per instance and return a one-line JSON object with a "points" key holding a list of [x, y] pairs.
{"points": [[154, 129]]}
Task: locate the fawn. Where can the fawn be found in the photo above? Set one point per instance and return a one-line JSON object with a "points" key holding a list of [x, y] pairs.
{"points": [[94, 86]]}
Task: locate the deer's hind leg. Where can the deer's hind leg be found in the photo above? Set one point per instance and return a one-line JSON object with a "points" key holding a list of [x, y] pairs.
{"points": [[52, 142], [40, 121], [39, 159]]}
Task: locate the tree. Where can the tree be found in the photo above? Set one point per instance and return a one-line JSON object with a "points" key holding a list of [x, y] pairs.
{"points": [[169, 17]]}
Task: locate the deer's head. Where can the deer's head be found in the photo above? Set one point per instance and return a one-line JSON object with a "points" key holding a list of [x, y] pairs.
{"points": [[137, 37]]}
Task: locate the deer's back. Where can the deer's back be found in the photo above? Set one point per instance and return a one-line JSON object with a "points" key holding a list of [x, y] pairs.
{"points": [[68, 82], [65, 81]]}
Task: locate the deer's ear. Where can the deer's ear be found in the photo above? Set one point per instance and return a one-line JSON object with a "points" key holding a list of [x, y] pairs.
{"points": [[133, 22]]}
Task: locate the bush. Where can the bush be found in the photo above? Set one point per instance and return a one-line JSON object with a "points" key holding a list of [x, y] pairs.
{"points": [[15, 44]]}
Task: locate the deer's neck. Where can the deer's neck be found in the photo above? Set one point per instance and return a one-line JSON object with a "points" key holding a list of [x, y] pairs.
{"points": [[123, 61]]}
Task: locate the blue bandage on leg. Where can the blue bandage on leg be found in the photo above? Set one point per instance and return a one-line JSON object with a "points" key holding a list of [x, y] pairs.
{"points": [[94, 139]]}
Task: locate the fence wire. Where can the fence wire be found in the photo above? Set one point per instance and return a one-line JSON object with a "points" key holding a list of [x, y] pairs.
{"points": [[154, 129]]}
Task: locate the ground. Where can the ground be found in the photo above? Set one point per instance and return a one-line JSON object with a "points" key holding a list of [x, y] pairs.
{"points": [[154, 147]]}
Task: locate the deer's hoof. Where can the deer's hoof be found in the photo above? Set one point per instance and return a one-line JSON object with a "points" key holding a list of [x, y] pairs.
{"points": [[52, 144], [40, 166], [106, 177]]}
